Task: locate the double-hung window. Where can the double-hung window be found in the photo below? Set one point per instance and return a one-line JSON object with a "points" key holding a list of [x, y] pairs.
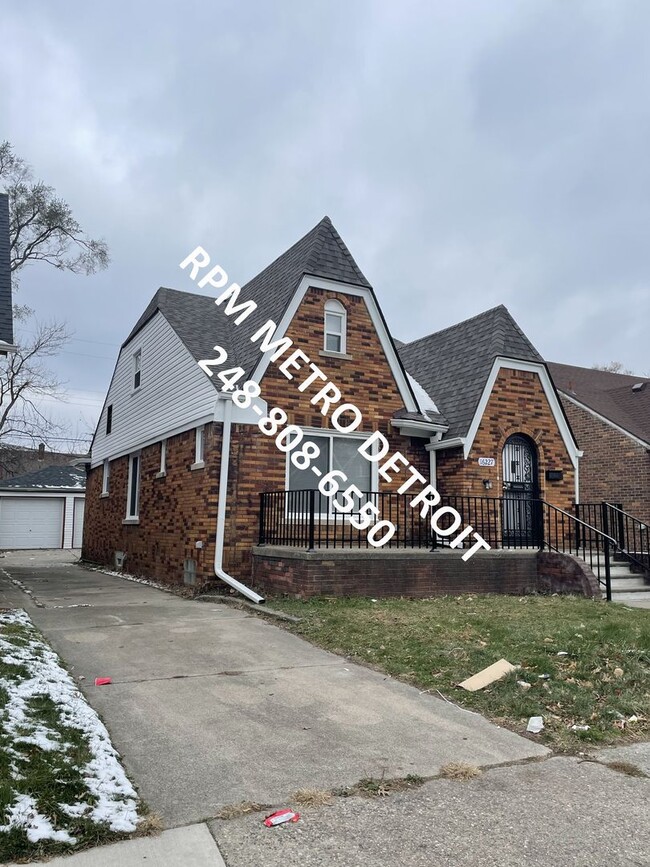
{"points": [[199, 448], [133, 493], [336, 453], [335, 327], [106, 474]]}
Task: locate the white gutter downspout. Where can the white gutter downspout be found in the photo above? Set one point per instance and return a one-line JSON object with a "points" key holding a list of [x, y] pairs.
{"points": [[221, 510]]}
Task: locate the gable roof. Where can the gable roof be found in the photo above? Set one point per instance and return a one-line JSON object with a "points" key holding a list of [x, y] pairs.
{"points": [[6, 309], [609, 394], [453, 365], [69, 478], [201, 324]]}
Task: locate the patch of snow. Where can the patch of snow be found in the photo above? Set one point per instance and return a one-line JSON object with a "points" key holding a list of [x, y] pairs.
{"points": [[23, 813], [425, 402], [116, 799], [148, 583]]}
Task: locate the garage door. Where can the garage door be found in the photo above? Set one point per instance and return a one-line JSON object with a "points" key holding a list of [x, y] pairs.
{"points": [[78, 531], [31, 522]]}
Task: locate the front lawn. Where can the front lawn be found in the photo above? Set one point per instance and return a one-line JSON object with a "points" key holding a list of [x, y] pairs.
{"points": [[602, 682], [61, 784]]}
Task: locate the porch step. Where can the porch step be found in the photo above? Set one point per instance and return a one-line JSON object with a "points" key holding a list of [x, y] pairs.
{"points": [[629, 584]]}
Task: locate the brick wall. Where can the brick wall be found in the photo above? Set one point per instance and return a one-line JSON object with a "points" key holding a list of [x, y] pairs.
{"points": [[364, 379], [417, 574], [517, 404], [176, 511], [614, 467]]}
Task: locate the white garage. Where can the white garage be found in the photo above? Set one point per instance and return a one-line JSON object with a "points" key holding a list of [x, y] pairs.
{"points": [[44, 509]]}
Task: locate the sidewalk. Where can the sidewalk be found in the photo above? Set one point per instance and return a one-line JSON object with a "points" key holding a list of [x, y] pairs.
{"points": [[190, 847]]}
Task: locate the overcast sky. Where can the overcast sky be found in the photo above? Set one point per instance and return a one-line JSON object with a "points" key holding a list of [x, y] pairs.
{"points": [[469, 153]]}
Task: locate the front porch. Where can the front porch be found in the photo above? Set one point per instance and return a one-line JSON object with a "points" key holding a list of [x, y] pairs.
{"points": [[308, 544]]}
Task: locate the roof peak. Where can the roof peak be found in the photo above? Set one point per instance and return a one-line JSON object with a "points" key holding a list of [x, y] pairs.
{"points": [[498, 307]]}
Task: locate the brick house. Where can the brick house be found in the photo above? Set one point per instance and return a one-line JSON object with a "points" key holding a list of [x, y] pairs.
{"points": [[610, 415], [182, 477]]}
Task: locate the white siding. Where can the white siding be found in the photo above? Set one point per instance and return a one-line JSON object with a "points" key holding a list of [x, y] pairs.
{"points": [[78, 527], [174, 394]]}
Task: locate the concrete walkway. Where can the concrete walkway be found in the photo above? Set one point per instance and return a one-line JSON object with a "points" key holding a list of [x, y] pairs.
{"points": [[210, 706]]}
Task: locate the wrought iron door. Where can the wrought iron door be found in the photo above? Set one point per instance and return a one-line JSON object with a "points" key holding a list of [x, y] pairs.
{"points": [[520, 518]]}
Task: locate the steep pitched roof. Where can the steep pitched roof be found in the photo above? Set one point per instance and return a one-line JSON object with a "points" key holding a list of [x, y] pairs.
{"points": [[611, 395], [453, 364], [201, 324], [68, 477]]}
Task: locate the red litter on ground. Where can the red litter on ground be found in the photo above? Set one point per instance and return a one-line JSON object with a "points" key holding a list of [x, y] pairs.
{"points": [[281, 816], [102, 681]]}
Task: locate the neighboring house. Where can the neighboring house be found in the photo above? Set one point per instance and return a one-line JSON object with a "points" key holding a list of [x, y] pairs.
{"points": [[164, 493], [610, 415], [6, 306], [44, 509], [17, 460]]}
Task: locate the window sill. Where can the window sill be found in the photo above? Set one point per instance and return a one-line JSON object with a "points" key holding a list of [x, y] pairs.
{"points": [[329, 354], [161, 474], [131, 521], [104, 494], [198, 465]]}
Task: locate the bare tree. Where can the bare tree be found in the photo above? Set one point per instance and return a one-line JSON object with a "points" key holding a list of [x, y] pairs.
{"points": [[612, 367], [25, 379], [42, 227]]}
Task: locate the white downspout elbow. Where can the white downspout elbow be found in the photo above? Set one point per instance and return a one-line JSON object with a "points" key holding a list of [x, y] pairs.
{"points": [[221, 510]]}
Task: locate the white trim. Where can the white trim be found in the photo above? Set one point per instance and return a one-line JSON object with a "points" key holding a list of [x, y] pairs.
{"points": [[412, 428], [332, 307], [439, 445], [386, 343], [163, 458], [106, 476], [133, 517], [605, 420], [206, 419], [433, 468], [501, 363], [199, 446]]}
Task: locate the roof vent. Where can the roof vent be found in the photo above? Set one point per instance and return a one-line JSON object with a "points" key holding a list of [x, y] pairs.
{"points": [[638, 386]]}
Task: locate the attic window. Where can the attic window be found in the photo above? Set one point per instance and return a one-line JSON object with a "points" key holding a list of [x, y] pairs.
{"points": [[137, 368], [109, 419], [335, 327], [638, 386]]}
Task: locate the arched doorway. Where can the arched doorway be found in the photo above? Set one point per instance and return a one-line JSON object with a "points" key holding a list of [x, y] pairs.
{"points": [[520, 492]]}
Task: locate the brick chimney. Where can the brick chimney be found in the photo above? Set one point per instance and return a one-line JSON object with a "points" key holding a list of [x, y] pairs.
{"points": [[6, 311]]}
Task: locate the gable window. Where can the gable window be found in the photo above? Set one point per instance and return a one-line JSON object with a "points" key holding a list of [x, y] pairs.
{"points": [[106, 471], [109, 419], [335, 327], [133, 494], [336, 453], [198, 449], [137, 369]]}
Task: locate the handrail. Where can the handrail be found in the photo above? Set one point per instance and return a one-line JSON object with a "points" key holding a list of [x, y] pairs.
{"points": [[584, 523], [627, 514]]}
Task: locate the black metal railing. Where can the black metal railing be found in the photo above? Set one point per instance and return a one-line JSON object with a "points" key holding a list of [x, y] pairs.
{"points": [[308, 519], [632, 535]]}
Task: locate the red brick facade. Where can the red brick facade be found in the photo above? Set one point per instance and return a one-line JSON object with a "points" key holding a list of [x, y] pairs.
{"points": [[180, 509], [517, 405], [614, 468]]}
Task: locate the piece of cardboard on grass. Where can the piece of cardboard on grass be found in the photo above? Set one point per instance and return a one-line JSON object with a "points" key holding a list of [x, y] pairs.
{"points": [[488, 675]]}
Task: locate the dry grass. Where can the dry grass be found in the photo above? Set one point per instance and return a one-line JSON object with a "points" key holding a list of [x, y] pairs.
{"points": [[626, 768], [459, 771], [313, 798], [235, 811], [149, 825]]}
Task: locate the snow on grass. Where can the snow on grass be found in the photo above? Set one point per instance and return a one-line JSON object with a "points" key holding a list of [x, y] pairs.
{"points": [[50, 737]]}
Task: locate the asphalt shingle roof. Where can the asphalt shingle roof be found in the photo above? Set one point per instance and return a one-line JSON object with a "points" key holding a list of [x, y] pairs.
{"points": [[609, 394], [453, 365], [49, 477], [201, 324]]}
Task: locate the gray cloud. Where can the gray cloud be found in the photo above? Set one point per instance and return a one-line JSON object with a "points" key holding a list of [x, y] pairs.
{"points": [[470, 154]]}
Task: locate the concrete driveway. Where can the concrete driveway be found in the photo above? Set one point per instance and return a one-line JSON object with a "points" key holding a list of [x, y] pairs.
{"points": [[210, 706]]}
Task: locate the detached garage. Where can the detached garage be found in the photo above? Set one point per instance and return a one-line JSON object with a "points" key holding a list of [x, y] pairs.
{"points": [[44, 509]]}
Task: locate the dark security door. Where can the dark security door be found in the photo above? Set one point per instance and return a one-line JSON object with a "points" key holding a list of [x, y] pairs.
{"points": [[520, 492]]}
